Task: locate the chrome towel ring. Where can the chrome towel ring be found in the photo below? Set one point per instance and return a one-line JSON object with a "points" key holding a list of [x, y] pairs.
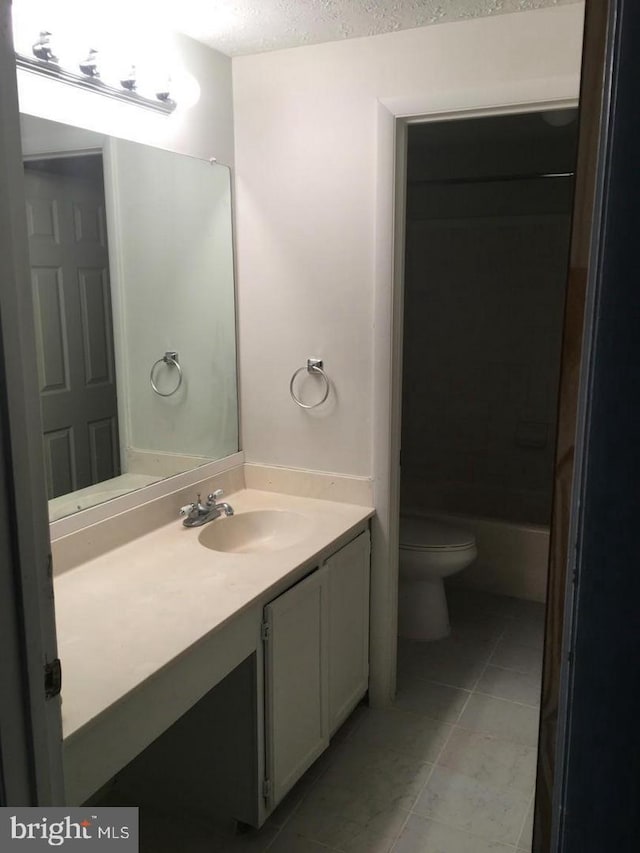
{"points": [[170, 358], [314, 365]]}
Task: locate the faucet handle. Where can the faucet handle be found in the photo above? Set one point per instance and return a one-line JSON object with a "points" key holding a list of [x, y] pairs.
{"points": [[187, 510], [215, 495]]}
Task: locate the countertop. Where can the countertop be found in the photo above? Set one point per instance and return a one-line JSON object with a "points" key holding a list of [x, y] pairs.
{"points": [[124, 616]]}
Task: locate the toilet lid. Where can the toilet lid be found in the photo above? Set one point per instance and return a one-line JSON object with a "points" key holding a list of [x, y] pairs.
{"points": [[428, 534]]}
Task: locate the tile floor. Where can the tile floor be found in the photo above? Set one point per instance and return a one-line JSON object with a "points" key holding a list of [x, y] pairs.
{"points": [[450, 768]]}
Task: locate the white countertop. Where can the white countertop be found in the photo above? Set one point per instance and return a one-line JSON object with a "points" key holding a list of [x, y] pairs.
{"points": [[125, 615]]}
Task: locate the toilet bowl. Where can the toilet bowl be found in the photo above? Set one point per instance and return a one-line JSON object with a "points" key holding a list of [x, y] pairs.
{"points": [[430, 550]]}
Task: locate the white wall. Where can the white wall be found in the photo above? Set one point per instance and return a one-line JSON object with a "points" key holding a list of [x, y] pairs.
{"points": [[306, 170], [204, 129]]}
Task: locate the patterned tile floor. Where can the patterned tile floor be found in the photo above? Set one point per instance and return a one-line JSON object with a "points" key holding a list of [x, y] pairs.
{"points": [[450, 768]]}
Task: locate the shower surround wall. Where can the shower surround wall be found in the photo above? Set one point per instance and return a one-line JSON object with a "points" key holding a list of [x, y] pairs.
{"points": [[483, 306]]}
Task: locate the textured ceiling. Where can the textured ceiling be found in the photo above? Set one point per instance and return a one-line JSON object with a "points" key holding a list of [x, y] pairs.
{"points": [[238, 27]]}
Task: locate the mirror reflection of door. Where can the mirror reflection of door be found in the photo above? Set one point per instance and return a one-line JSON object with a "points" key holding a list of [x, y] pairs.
{"points": [[74, 328]]}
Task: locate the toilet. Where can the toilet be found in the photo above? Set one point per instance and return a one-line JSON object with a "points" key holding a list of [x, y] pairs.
{"points": [[430, 551]]}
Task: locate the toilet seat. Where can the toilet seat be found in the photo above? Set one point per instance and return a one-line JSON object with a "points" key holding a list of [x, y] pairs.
{"points": [[425, 534]]}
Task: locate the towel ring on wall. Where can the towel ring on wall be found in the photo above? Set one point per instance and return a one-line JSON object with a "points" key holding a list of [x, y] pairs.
{"points": [[170, 358], [314, 365]]}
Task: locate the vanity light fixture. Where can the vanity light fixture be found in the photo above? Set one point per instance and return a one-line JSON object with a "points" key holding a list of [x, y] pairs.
{"points": [[45, 63], [42, 49], [129, 81], [89, 66]]}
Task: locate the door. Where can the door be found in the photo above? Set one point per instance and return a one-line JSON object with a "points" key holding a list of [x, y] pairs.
{"points": [[296, 681], [593, 90], [596, 807], [72, 304], [30, 721], [348, 628]]}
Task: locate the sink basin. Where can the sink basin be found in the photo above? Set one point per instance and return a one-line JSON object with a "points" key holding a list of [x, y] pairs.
{"points": [[256, 531]]}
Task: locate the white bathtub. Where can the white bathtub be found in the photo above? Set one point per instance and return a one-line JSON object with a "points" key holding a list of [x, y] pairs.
{"points": [[512, 558]]}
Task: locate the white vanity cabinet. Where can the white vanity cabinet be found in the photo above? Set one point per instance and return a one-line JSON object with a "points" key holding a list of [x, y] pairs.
{"points": [[261, 696], [316, 663]]}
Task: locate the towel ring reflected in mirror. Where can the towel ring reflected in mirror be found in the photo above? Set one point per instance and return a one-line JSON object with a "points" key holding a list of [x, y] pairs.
{"points": [[170, 358]]}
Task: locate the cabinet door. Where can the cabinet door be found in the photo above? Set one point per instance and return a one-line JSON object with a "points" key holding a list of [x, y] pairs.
{"points": [[297, 706], [349, 571]]}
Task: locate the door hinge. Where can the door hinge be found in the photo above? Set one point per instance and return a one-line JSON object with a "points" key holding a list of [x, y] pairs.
{"points": [[52, 678], [265, 631], [266, 788]]}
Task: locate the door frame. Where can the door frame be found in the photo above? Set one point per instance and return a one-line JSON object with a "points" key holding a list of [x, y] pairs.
{"points": [[394, 115], [31, 724]]}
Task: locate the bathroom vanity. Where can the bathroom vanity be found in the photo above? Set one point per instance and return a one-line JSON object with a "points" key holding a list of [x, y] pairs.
{"points": [[211, 659], [273, 608]]}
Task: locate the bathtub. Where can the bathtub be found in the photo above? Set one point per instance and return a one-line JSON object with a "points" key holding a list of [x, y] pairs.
{"points": [[512, 558]]}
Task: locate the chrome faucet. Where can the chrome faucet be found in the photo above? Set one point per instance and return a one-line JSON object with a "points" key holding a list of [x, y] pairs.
{"points": [[197, 513]]}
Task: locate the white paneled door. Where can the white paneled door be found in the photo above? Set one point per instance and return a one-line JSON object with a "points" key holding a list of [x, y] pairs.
{"points": [[72, 306]]}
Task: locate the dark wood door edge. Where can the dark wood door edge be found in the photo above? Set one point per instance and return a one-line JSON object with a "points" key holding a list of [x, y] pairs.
{"points": [[597, 16]]}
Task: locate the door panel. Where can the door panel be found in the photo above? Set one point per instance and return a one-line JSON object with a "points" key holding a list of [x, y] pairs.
{"points": [[72, 303], [96, 325], [59, 460], [88, 219], [51, 336], [42, 220], [348, 628], [297, 706], [103, 441]]}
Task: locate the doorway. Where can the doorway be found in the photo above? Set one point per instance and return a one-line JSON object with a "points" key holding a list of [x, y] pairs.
{"points": [[488, 216]]}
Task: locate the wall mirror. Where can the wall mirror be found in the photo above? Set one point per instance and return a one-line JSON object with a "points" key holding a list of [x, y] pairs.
{"points": [[131, 259]]}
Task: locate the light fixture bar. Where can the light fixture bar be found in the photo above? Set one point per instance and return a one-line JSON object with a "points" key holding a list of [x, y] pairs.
{"points": [[92, 84]]}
